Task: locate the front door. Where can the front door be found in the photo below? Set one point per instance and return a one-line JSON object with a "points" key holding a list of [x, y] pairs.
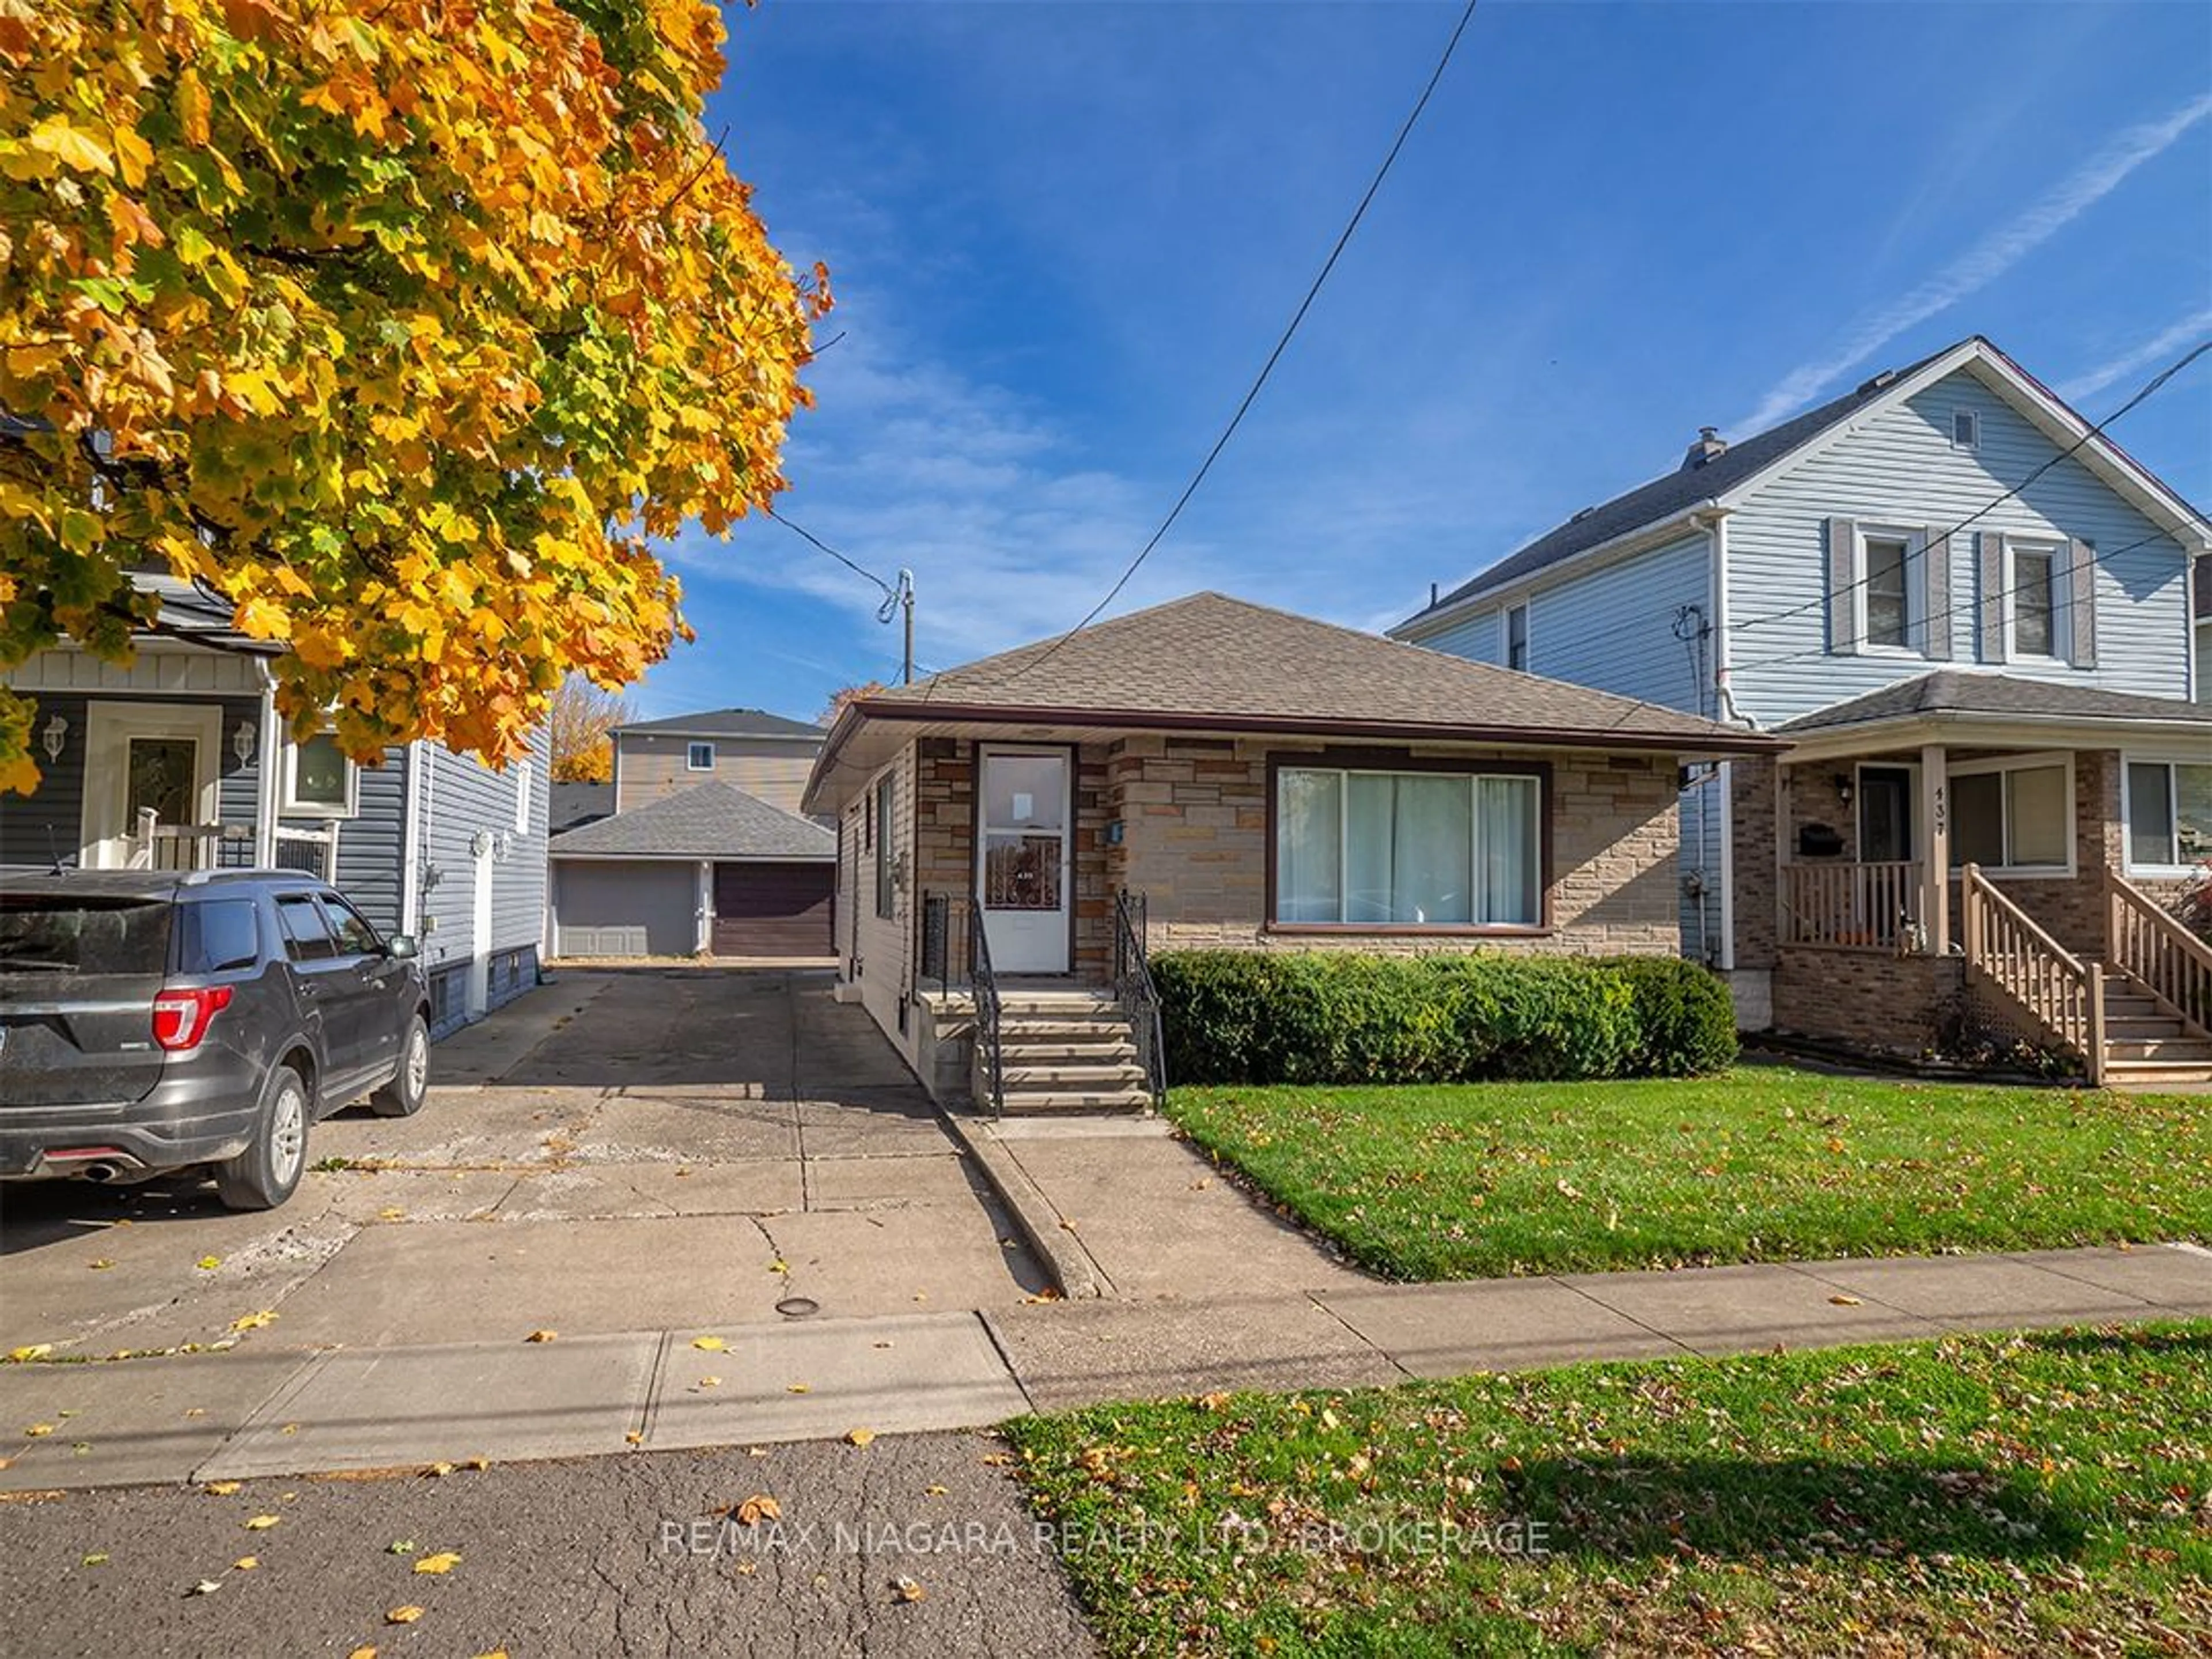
{"points": [[1886, 814], [1021, 875], [147, 756]]}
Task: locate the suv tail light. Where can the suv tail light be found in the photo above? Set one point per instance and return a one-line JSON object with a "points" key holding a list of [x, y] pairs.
{"points": [[181, 1017]]}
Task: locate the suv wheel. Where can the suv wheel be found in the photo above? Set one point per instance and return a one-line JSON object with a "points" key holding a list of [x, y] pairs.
{"points": [[266, 1173], [403, 1096]]}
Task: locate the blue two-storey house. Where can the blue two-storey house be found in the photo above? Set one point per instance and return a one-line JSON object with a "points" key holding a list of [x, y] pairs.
{"points": [[1970, 614]]}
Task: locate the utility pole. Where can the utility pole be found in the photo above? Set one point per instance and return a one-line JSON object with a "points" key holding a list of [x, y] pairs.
{"points": [[899, 597]]}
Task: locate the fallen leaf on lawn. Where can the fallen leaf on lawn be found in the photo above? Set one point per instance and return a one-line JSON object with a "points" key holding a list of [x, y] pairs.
{"points": [[708, 1344], [756, 1509], [443, 1562], [799, 1387], [542, 1336], [247, 1563], [407, 1615], [254, 1322], [1847, 1301], [24, 1356], [861, 1436], [906, 1589], [97, 1559], [1214, 1402], [205, 1587], [39, 1430], [209, 1263], [220, 1488], [263, 1522], [102, 1262]]}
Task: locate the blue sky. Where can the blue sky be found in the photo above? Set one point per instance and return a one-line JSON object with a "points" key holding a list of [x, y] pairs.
{"points": [[1063, 238]]}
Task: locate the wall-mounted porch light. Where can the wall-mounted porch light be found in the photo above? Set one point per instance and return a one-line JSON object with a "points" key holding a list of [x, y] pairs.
{"points": [[55, 735], [1845, 788]]}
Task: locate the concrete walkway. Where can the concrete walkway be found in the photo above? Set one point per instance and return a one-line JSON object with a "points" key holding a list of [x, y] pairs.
{"points": [[258, 1411]]}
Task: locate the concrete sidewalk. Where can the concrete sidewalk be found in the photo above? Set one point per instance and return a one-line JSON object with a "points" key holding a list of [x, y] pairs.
{"points": [[261, 1411]]}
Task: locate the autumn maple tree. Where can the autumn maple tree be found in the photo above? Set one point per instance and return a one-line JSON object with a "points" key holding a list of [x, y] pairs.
{"points": [[579, 720], [402, 325]]}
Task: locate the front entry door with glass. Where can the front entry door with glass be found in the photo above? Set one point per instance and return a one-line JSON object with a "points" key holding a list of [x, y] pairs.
{"points": [[1021, 875]]}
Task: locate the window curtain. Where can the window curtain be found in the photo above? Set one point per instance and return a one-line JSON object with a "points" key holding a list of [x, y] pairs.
{"points": [[1405, 853], [1511, 840], [1309, 846]]}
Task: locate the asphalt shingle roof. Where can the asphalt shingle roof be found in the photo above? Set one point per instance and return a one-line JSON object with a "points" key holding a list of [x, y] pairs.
{"points": [[1663, 498], [1209, 655], [577, 803], [728, 723], [709, 820], [1948, 692]]}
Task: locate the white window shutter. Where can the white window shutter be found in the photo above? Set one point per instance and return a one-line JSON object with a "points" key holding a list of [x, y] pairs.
{"points": [[1935, 588], [1843, 585], [1990, 565], [2081, 602]]}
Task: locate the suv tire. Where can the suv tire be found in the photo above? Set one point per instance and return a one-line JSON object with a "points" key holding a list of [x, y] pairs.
{"points": [[410, 1084], [267, 1171]]}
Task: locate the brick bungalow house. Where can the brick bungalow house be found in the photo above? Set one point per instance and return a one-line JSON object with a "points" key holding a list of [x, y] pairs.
{"points": [[1214, 773]]}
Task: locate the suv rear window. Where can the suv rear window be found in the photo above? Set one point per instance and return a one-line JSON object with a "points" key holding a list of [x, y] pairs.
{"points": [[58, 933], [216, 935]]}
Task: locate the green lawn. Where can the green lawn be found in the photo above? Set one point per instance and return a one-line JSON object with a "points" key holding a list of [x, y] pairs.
{"points": [[2037, 1494], [1763, 1163]]}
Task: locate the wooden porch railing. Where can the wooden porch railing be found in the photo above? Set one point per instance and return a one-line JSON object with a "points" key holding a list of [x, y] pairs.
{"points": [[2005, 949], [2144, 940], [1851, 906], [155, 845]]}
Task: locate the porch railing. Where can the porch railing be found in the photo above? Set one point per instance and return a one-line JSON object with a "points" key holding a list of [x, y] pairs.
{"points": [[990, 1016], [2148, 943], [2004, 948], [154, 845], [1852, 906], [1135, 990]]}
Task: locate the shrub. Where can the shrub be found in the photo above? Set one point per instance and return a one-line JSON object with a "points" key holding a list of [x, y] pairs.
{"points": [[1323, 1017]]}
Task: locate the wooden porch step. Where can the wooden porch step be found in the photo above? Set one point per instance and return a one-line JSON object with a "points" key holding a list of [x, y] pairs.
{"points": [[2165, 1051], [2142, 1028], [2150, 1075]]}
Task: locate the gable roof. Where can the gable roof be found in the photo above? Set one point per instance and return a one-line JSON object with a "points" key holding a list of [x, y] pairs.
{"points": [[710, 820], [575, 803], [727, 723], [1213, 663], [1998, 696], [1724, 479]]}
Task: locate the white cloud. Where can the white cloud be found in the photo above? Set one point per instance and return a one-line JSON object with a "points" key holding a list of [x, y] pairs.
{"points": [[1982, 265], [2187, 331]]}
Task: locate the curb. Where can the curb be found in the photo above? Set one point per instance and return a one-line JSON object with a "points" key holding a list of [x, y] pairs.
{"points": [[1073, 1272]]}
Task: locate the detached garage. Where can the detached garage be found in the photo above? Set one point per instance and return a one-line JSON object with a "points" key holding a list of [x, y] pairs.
{"points": [[709, 868]]}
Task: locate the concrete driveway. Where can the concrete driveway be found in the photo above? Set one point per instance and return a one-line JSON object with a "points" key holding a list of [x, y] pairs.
{"points": [[619, 1150]]}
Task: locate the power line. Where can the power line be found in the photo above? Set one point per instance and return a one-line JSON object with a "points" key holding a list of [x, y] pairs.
{"points": [[1282, 344], [897, 595], [809, 536]]}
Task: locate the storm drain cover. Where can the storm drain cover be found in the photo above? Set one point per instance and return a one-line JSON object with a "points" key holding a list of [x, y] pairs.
{"points": [[797, 1306]]}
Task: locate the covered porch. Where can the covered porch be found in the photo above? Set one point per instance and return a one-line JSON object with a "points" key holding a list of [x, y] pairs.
{"points": [[1982, 865]]}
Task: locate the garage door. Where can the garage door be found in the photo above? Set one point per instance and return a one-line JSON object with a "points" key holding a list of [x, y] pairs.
{"points": [[773, 909], [624, 909]]}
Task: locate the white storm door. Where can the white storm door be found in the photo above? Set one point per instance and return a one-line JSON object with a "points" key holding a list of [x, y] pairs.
{"points": [[161, 756], [1022, 874]]}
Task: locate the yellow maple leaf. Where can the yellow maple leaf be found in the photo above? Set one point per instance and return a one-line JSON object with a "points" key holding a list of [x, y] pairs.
{"points": [[441, 1564]]}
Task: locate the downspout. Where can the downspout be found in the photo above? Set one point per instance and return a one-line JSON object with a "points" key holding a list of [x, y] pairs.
{"points": [[266, 796], [1724, 707], [411, 857]]}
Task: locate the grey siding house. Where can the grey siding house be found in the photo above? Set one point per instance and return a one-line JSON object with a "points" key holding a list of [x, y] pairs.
{"points": [[765, 756], [179, 762], [1970, 614]]}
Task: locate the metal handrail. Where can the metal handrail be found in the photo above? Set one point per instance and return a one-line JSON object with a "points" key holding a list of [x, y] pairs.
{"points": [[988, 1011], [1135, 990]]}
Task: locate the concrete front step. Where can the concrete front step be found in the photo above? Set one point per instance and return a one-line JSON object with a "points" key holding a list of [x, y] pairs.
{"points": [[1073, 1077], [1025, 1102], [1104, 1051]]}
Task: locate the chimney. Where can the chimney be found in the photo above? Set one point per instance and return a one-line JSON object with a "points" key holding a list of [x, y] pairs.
{"points": [[1710, 446]]}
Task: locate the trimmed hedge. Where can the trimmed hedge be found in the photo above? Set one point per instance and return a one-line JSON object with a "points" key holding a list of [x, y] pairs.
{"points": [[1321, 1017]]}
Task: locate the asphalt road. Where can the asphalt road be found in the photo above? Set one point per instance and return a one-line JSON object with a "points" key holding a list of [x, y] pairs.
{"points": [[610, 1556]]}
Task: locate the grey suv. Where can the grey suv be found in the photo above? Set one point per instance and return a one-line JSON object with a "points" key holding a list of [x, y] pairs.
{"points": [[153, 1021]]}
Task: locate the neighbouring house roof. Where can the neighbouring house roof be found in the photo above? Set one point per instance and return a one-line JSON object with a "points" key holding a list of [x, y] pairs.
{"points": [[1719, 479], [200, 616], [1213, 663], [710, 820], [727, 723], [1956, 694], [577, 803]]}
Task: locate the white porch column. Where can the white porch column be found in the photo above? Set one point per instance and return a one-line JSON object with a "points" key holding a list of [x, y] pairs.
{"points": [[267, 795], [703, 940], [1935, 870]]}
